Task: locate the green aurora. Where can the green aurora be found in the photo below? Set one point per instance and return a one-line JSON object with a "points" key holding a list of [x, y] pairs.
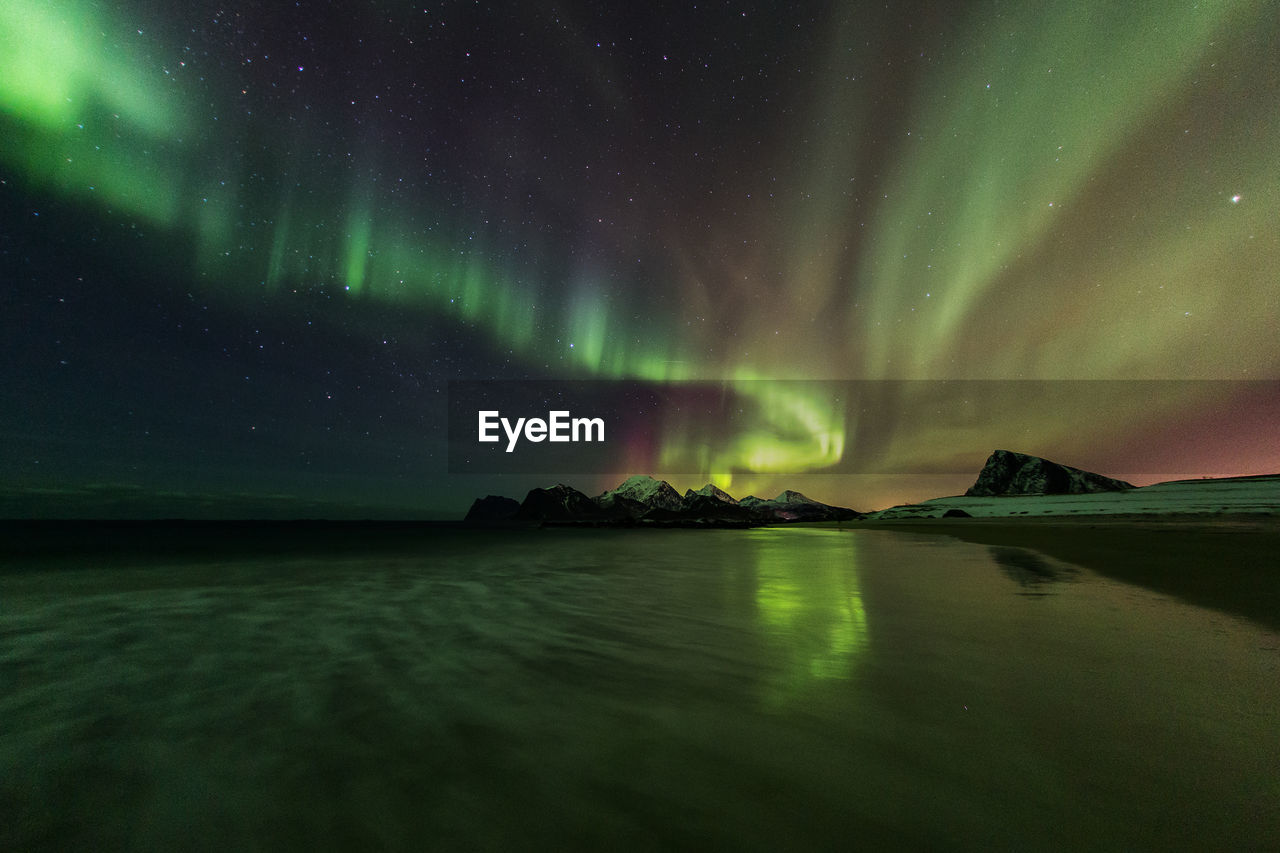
{"points": [[1061, 192]]}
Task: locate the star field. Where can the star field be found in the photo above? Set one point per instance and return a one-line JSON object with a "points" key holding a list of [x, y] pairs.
{"points": [[246, 246]]}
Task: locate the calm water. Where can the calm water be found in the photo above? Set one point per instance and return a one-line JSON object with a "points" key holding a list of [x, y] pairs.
{"points": [[750, 690]]}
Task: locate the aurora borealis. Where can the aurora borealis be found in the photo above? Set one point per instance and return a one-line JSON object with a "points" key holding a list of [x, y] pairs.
{"points": [[246, 247]]}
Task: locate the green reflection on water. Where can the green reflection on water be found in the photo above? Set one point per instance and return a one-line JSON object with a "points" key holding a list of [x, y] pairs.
{"points": [[809, 606]]}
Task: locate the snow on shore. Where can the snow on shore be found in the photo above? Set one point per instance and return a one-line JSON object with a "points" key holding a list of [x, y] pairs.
{"points": [[1215, 497]]}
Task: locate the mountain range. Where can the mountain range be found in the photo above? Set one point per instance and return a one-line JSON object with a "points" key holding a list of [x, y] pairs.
{"points": [[643, 500], [1010, 484]]}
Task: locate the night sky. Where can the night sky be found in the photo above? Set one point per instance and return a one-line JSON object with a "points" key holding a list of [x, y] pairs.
{"points": [[245, 247]]}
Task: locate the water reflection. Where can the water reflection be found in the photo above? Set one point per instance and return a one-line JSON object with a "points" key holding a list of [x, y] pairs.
{"points": [[1029, 570], [809, 606]]}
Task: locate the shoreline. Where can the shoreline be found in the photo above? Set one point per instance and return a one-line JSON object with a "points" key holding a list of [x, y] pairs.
{"points": [[1229, 563], [1226, 562]]}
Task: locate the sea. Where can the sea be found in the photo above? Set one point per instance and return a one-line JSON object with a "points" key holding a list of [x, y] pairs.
{"points": [[574, 689]]}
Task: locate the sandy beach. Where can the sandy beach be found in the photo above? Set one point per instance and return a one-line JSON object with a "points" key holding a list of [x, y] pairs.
{"points": [[1227, 562]]}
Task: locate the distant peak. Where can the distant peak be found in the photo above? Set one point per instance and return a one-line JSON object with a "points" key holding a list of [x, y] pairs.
{"points": [[710, 490], [646, 490]]}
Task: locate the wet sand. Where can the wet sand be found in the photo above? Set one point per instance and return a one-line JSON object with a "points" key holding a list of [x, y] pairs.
{"points": [[320, 687], [1229, 563]]}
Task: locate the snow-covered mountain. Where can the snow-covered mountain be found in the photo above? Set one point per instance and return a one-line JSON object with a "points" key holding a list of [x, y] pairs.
{"points": [[644, 500], [619, 506], [794, 506], [711, 491], [1228, 495], [645, 490]]}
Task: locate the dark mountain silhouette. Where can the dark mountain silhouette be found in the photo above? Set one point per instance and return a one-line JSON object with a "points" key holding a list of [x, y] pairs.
{"points": [[642, 500], [1010, 473], [493, 508], [558, 503]]}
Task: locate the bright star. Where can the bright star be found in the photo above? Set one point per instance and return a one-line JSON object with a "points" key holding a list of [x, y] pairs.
{"points": [[1235, 199]]}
